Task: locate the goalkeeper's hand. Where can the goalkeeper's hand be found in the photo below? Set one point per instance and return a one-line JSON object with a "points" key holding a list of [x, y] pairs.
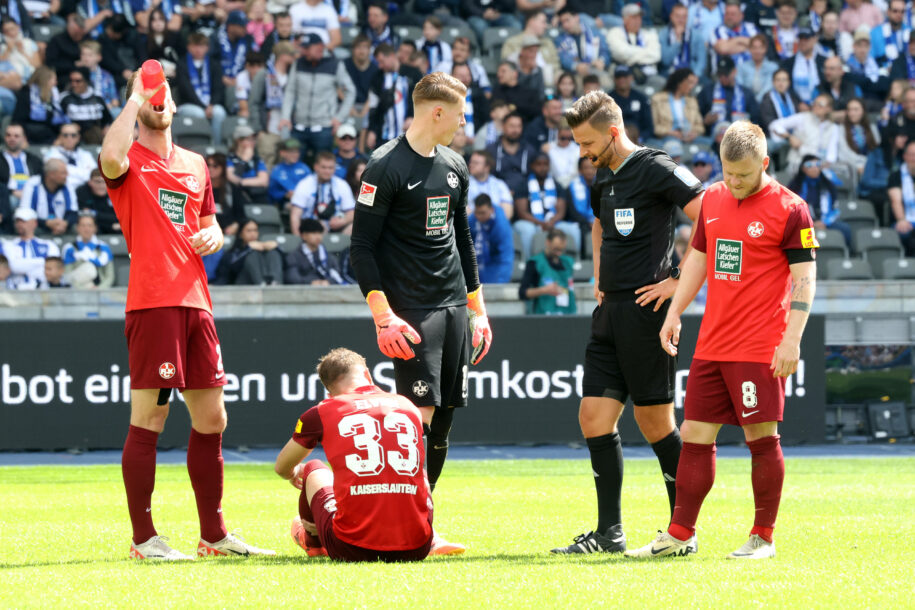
{"points": [[393, 332], [479, 325]]}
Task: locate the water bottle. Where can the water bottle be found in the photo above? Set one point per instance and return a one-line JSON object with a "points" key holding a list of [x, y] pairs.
{"points": [[153, 75]]}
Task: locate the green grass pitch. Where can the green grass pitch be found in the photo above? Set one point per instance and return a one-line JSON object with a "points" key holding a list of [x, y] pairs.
{"points": [[843, 539]]}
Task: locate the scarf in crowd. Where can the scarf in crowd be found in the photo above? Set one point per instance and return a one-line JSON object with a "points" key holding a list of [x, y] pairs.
{"points": [[588, 45], [92, 9], [682, 58], [893, 109], [894, 43], [870, 69], [719, 100], [908, 192], [200, 79], [827, 215], [910, 67], [492, 134], [325, 200], [433, 51], [804, 77], [40, 109], [376, 39], [320, 264], [542, 199], [815, 21], [232, 54], [397, 114], [468, 115], [782, 102], [859, 139], [726, 32], [274, 93], [678, 111]]}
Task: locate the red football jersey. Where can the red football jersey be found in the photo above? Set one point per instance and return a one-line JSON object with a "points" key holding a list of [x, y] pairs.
{"points": [[159, 203], [749, 281], [373, 441]]}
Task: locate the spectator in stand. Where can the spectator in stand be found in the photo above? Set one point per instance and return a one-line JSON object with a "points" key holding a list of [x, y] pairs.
{"points": [[476, 104], [5, 273], [578, 195], [726, 100], [781, 102], [675, 113], [265, 101], [829, 35], [102, 82], [201, 89], [94, 12], [461, 54], [705, 168], [390, 100], [903, 67], [512, 155], [245, 170], [226, 214], [420, 61], [732, 38], [582, 49], [634, 104], [835, 83], [172, 15], [634, 46], [80, 162], [19, 164], [492, 240], [83, 107], [548, 286], [481, 15], [890, 39], [250, 262], [361, 71], [809, 133], [703, 18], [490, 131], [816, 12], [93, 199], [530, 74], [482, 182], [544, 130], [900, 130], [287, 173], [435, 49], [10, 84], [376, 29], [805, 67], [756, 74], [260, 22], [564, 154], [901, 192], [860, 137], [161, 43], [54, 273], [324, 197], [542, 207], [26, 255], [230, 46], [24, 17], [121, 53], [317, 99], [566, 90], [405, 50], [535, 25], [354, 176], [866, 72], [20, 51], [254, 64], [509, 88], [682, 45], [318, 18], [38, 107], [51, 198], [590, 83], [785, 32], [893, 106], [820, 194], [87, 260], [282, 32], [857, 14], [311, 264], [346, 152]]}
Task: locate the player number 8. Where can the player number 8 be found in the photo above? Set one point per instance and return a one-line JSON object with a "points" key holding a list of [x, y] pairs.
{"points": [[749, 394], [366, 432]]}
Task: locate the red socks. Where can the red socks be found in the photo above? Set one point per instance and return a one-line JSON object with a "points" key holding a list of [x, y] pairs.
{"points": [[204, 466], [695, 476], [768, 477], [138, 467], [304, 507]]}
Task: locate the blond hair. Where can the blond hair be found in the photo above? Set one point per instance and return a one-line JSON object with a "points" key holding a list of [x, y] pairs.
{"points": [[596, 108], [92, 45], [439, 87], [336, 364], [743, 140]]}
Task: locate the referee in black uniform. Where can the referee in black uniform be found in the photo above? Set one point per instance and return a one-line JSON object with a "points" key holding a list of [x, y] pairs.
{"points": [[634, 199], [412, 253]]}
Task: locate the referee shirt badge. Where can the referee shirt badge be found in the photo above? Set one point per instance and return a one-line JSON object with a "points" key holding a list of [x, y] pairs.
{"points": [[453, 180], [420, 388], [367, 194], [624, 220]]}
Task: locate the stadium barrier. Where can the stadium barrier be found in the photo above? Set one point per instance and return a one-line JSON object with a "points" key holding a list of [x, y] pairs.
{"points": [[64, 384]]}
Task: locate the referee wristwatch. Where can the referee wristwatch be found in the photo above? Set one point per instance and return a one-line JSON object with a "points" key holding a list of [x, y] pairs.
{"points": [[675, 273]]}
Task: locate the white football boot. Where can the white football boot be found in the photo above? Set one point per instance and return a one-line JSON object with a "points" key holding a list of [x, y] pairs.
{"points": [[157, 549], [229, 546], [666, 545], [754, 548]]}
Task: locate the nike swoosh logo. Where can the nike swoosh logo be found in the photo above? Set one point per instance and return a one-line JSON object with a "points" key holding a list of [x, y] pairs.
{"points": [[245, 554], [745, 414], [219, 376], [710, 220], [656, 551], [147, 168], [410, 187]]}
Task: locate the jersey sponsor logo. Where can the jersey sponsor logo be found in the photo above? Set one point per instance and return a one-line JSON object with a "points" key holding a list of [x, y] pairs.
{"points": [[809, 239], [367, 194], [172, 203], [420, 388], [728, 259], [192, 183], [167, 370], [437, 209], [755, 229], [624, 220], [453, 180], [686, 177]]}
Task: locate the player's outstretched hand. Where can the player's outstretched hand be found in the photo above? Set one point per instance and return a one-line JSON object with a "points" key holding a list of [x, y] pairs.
{"points": [[659, 293], [670, 334], [393, 332], [481, 337]]}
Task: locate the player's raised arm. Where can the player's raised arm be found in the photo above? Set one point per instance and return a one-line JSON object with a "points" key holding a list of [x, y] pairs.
{"points": [[113, 156]]}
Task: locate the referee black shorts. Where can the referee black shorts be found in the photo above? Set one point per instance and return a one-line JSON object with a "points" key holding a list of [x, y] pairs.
{"points": [[437, 376], [624, 356]]}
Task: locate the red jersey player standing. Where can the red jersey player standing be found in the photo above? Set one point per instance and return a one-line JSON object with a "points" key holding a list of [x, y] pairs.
{"points": [[376, 505], [754, 243], [164, 203]]}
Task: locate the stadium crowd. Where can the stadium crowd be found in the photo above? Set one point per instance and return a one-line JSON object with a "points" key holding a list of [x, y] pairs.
{"points": [[288, 99]]}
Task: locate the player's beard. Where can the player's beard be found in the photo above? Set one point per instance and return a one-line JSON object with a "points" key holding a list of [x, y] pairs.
{"points": [[744, 193], [159, 121]]}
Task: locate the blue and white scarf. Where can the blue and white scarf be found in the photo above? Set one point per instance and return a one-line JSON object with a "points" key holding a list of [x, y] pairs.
{"points": [[588, 45], [434, 53], [894, 43], [870, 69], [815, 21], [492, 134], [910, 67], [908, 192], [859, 139], [683, 57], [92, 9], [827, 213], [746, 30], [52, 205], [39, 109], [397, 114], [19, 170], [719, 101], [200, 79], [232, 55], [468, 115], [542, 199], [581, 197], [678, 111], [893, 109], [321, 266], [377, 39], [805, 77], [274, 93]]}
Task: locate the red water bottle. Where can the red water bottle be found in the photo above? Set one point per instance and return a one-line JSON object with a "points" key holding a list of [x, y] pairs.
{"points": [[153, 75]]}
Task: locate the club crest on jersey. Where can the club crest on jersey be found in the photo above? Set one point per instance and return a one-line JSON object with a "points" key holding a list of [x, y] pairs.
{"points": [[755, 229], [167, 370], [624, 220], [420, 388], [367, 194], [453, 180], [173, 203], [192, 183]]}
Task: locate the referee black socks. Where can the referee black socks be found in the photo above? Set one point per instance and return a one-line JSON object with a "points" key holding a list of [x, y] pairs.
{"points": [[607, 464], [668, 451]]}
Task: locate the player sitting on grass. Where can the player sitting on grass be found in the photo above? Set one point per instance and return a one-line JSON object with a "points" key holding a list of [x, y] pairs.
{"points": [[376, 504]]}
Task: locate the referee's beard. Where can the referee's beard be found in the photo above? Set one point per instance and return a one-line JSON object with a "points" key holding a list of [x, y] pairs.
{"points": [[604, 157]]}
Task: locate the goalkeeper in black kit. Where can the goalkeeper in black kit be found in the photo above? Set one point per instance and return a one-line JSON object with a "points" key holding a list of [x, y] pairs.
{"points": [[412, 253]]}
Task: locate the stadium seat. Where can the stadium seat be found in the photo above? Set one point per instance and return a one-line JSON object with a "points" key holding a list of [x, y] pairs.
{"points": [[228, 128], [494, 38], [888, 420], [516, 243], [38, 150], [191, 131], [45, 32], [490, 63], [347, 35], [518, 270], [287, 241], [336, 242], [849, 269], [117, 243], [832, 246], [852, 422], [121, 272], [857, 215], [898, 269], [408, 32], [583, 271], [877, 245], [227, 242], [266, 216], [451, 32]]}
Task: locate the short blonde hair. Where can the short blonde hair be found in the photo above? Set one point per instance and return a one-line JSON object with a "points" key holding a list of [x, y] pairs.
{"points": [[439, 87], [596, 108], [336, 364], [743, 140]]}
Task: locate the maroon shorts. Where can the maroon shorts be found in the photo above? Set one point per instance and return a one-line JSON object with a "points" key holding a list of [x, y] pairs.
{"points": [[737, 393], [323, 508], [173, 347]]}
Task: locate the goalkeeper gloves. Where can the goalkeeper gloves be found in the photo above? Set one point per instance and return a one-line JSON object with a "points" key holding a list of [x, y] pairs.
{"points": [[479, 325], [393, 332]]}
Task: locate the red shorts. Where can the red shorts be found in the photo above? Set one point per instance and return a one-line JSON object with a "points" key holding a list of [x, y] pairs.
{"points": [[323, 508], [173, 347], [737, 393]]}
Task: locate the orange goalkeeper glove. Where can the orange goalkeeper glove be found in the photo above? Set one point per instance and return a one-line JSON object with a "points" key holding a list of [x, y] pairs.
{"points": [[479, 325], [393, 332]]}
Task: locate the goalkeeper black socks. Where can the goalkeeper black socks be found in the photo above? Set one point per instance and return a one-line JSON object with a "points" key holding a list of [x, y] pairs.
{"points": [[668, 451], [607, 464], [437, 443]]}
